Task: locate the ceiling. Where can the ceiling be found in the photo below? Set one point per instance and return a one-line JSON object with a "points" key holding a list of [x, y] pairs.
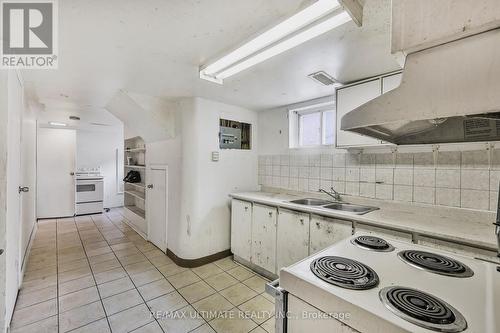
{"points": [[155, 48]]}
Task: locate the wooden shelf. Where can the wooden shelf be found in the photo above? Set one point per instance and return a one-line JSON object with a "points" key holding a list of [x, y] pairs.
{"points": [[137, 194], [136, 210], [135, 166]]}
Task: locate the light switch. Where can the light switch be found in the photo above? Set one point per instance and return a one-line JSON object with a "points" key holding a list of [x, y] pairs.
{"points": [[215, 156]]}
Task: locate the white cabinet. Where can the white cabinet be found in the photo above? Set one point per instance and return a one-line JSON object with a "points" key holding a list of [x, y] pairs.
{"points": [[325, 232], [458, 248], [264, 237], [382, 232], [241, 229], [293, 237], [391, 82], [348, 99]]}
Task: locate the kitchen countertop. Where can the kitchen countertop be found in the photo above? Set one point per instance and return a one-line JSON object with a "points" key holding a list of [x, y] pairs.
{"points": [[460, 225]]}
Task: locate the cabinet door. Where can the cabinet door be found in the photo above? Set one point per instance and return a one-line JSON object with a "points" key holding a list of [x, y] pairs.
{"points": [[347, 100], [241, 229], [293, 238], [264, 237], [326, 232], [382, 232], [458, 248], [391, 82]]}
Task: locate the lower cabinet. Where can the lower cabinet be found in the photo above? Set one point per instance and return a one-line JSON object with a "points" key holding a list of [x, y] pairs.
{"points": [[241, 229], [293, 237], [326, 231], [381, 232], [264, 222]]}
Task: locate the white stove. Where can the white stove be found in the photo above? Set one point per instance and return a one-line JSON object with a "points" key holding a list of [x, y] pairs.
{"points": [[89, 191], [397, 287]]}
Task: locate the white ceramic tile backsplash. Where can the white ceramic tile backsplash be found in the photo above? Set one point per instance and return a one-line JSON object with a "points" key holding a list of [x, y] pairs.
{"points": [[468, 179]]}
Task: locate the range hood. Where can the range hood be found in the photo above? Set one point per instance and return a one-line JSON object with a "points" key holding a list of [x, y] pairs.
{"points": [[450, 92]]}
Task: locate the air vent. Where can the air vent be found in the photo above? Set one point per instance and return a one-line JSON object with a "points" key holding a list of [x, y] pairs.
{"points": [[99, 124], [74, 118], [323, 78]]}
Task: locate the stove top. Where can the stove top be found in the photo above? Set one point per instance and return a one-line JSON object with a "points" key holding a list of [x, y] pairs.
{"points": [[372, 243], [345, 273], [423, 309], [435, 263]]}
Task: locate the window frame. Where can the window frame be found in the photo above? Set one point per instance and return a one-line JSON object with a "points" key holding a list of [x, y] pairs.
{"points": [[321, 108]]}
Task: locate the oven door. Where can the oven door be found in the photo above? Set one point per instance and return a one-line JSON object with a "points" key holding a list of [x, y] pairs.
{"points": [[89, 190]]}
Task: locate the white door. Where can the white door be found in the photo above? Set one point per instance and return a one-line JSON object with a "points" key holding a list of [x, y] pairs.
{"points": [[264, 237], [241, 229], [13, 265], [157, 206], [56, 160], [28, 179], [293, 237]]}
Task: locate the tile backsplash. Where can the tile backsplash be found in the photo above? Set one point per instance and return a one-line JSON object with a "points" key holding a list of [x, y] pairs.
{"points": [[468, 179]]}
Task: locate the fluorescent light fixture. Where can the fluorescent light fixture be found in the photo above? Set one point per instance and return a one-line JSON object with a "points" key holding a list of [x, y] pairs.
{"points": [[301, 27], [58, 124]]}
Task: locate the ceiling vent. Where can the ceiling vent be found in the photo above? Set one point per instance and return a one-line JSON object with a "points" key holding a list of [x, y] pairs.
{"points": [[99, 124], [74, 118], [323, 78]]}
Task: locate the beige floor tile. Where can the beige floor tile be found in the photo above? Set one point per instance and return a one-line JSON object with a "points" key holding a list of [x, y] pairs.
{"points": [[258, 309], [133, 259], [204, 329], [75, 285], [78, 298], [268, 297], [256, 283], [269, 325], [34, 313], [146, 277], [40, 273], [71, 257], [221, 281], [196, 291], [212, 306], [181, 321], [161, 260], [238, 294], [105, 266], [48, 325], [208, 270], [100, 326], [81, 316], [72, 265], [101, 258], [74, 274], [26, 299], [38, 284], [130, 319], [110, 275], [155, 289], [240, 273], [258, 329], [123, 301], [226, 263], [152, 327], [99, 251], [115, 287], [126, 252], [153, 253], [122, 246], [166, 303], [172, 269], [139, 267], [183, 279], [235, 322]]}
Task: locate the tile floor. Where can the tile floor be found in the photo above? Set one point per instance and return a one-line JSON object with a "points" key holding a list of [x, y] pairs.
{"points": [[95, 274]]}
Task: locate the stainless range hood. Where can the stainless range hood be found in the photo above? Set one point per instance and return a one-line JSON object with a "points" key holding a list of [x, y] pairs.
{"points": [[449, 93]]}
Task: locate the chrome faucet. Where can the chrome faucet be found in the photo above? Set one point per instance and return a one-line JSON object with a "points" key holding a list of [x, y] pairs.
{"points": [[334, 194]]}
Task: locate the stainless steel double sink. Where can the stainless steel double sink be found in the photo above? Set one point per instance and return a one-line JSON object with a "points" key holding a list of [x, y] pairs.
{"points": [[333, 205]]}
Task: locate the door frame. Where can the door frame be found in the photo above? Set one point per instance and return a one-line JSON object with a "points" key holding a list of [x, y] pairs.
{"points": [[163, 167]]}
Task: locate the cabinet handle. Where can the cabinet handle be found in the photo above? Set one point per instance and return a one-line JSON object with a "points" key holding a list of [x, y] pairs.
{"points": [[246, 208], [270, 214], [317, 224], [302, 221]]}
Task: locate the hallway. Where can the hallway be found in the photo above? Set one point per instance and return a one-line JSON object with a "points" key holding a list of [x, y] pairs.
{"points": [[95, 274]]}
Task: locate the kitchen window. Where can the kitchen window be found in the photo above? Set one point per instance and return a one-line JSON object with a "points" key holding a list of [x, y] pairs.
{"points": [[312, 125]]}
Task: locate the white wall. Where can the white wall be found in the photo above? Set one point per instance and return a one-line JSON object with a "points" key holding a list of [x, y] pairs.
{"points": [[99, 148]]}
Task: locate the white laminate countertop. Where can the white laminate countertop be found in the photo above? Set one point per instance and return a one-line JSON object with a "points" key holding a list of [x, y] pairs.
{"points": [[466, 226]]}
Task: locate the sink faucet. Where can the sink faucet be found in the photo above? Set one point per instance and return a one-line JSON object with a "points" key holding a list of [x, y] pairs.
{"points": [[334, 194]]}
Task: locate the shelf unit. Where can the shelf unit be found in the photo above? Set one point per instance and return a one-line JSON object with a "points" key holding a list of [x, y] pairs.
{"points": [[135, 193]]}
